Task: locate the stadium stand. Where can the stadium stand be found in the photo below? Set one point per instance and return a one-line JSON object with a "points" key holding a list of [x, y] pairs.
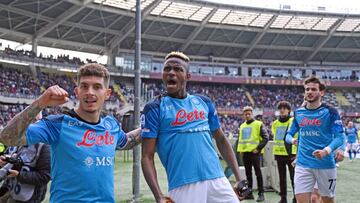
{"points": [[17, 83]]}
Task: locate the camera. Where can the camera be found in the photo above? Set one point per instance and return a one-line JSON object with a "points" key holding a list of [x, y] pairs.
{"points": [[12, 162], [242, 189]]}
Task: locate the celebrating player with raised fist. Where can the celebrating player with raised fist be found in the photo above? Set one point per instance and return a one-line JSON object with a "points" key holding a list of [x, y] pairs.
{"points": [[82, 142]]}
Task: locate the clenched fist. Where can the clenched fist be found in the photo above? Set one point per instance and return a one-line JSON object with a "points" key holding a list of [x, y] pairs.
{"points": [[53, 96]]}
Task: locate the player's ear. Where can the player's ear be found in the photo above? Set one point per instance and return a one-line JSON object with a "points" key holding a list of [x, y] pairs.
{"points": [[108, 93], [76, 90], [188, 75], [322, 93]]}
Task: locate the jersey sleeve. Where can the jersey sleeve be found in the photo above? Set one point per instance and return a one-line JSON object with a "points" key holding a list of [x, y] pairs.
{"points": [[294, 128], [337, 130], [214, 122], [150, 120], [336, 123], [46, 130], [123, 139]]}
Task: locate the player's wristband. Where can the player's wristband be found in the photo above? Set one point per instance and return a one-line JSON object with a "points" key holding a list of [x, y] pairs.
{"points": [[328, 150]]}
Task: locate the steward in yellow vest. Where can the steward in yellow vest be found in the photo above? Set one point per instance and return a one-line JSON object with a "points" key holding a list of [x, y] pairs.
{"points": [[253, 137], [250, 136], [278, 129], [281, 152]]}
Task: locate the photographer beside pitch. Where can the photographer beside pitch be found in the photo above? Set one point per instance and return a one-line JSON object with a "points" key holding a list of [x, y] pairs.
{"points": [[180, 127], [82, 142], [27, 182], [28, 178]]}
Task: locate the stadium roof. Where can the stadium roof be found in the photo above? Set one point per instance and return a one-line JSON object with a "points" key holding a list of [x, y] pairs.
{"points": [[201, 29]]}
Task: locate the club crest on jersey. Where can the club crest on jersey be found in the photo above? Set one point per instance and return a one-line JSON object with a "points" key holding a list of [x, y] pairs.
{"points": [[338, 122], [182, 117], [142, 120], [310, 122], [195, 101], [90, 139]]}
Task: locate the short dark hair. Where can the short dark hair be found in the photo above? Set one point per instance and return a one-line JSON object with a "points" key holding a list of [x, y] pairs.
{"points": [[284, 104], [314, 79], [94, 69]]}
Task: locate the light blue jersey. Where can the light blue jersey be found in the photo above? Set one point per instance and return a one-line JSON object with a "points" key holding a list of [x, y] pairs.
{"points": [[351, 135], [318, 128], [183, 129], [82, 156]]}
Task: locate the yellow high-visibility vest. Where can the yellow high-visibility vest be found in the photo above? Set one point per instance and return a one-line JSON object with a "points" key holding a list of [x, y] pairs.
{"points": [[249, 136], [2, 147], [279, 130]]}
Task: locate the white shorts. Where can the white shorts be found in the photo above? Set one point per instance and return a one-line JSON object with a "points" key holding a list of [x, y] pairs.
{"points": [[306, 178], [316, 187], [352, 146], [216, 190]]}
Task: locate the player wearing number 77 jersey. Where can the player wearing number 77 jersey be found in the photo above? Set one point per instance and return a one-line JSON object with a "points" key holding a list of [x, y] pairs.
{"points": [[320, 134]]}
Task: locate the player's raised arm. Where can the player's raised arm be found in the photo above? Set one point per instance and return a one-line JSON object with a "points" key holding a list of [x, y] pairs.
{"points": [[14, 131]]}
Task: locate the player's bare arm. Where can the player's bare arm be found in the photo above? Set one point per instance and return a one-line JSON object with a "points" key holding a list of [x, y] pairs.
{"points": [[148, 167], [226, 152], [228, 155], [134, 138], [14, 131]]}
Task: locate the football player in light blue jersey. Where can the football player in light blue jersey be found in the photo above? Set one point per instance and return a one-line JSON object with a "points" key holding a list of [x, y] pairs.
{"points": [[82, 143], [352, 141], [180, 127], [320, 134]]}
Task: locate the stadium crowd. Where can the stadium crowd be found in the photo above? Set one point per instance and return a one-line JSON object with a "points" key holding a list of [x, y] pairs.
{"points": [[63, 58], [19, 83], [235, 97], [15, 83]]}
